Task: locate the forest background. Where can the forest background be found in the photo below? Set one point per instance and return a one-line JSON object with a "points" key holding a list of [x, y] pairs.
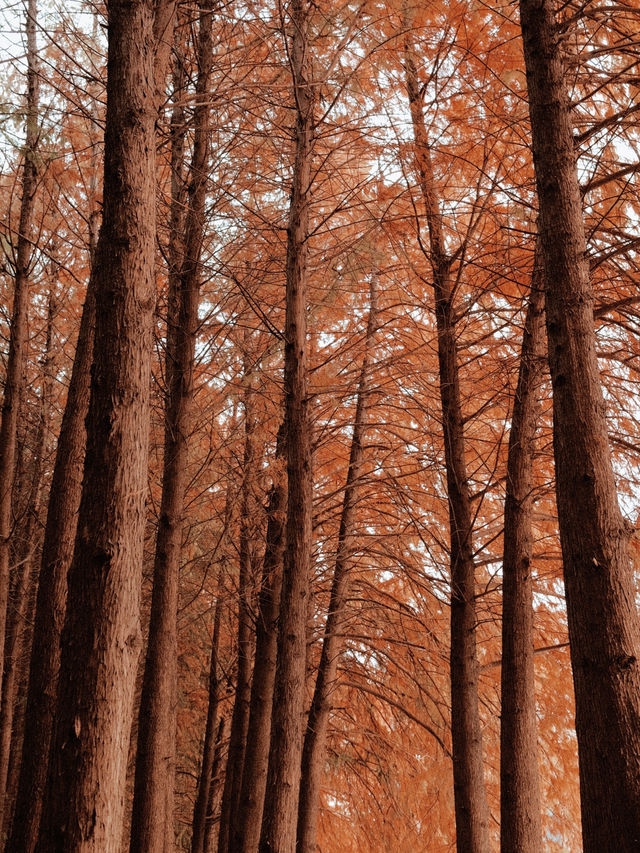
{"points": [[420, 160]]}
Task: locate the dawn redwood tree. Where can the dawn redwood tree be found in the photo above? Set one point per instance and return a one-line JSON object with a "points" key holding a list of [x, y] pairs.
{"points": [[604, 630], [57, 553], [241, 705], [471, 809], [84, 797], [16, 363], [152, 818], [520, 816], [326, 681], [256, 757], [278, 834]]}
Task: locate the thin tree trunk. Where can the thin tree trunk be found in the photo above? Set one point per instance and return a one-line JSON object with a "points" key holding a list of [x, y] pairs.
{"points": [[604, 630], [240, 717], [256, 759], [520, 824], [17, 616], [210, 738], [16, 363], [326, 682], [471, 809], [152, 817], [278, 833], [57, 552], [84, 798], [215, 788]]}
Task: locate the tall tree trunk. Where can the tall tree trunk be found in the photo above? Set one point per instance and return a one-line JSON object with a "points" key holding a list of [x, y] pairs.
{"points": [[604, 630], [18, 611], [57, 552], [326, 682], [256, 759], [16, 363], [84, 798], [278, 833], [240, 718], [215, 788], [471, 809], [152, 818], [210, 737], [520, 824]]}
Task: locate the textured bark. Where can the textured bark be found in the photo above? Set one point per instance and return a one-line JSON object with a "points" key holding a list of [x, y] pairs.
{"points": [[16, 363], [17, 624], [520, 823], [152, 817], [322, 703], [471, 809], [84, 797], [604, 630], [210, 738], [256, 760], [215, 788], [229, 814], [57, 552], [278, 833]]}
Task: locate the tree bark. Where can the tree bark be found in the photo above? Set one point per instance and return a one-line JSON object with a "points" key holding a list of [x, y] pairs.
{"points": [[57, 552], [326, 682], [604, 630], [17, 618], [256, 759], [278, 833], [16, 364], [471, 809], [210, 738], [520, 824], [152, 817], [84, 798], [215, 788], [229, 814]]}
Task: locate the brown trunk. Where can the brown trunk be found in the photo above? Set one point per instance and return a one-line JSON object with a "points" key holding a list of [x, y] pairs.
{"points": [[15, 376], [18, 611], [152, 817], [322, 703], [215, 788], [471, 809], [278, 833], [520, 824], [57, 552], [210, 739], [256, 759], [604, 631], [84, 797], [240, 718]]}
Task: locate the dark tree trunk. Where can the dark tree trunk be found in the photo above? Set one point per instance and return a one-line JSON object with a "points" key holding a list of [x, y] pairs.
{"points": [[279, 821], [604, 630], [152, 817], [520, 824], [17, 620], [16, 363], [57, 552], [84, 798], [322, 703], [215, 788], [471, 809], [256, 759], [210, 738], [229, 814]]}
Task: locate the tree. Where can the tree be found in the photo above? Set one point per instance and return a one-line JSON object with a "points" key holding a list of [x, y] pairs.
{"points": [[603, 621], [83, 806]]}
